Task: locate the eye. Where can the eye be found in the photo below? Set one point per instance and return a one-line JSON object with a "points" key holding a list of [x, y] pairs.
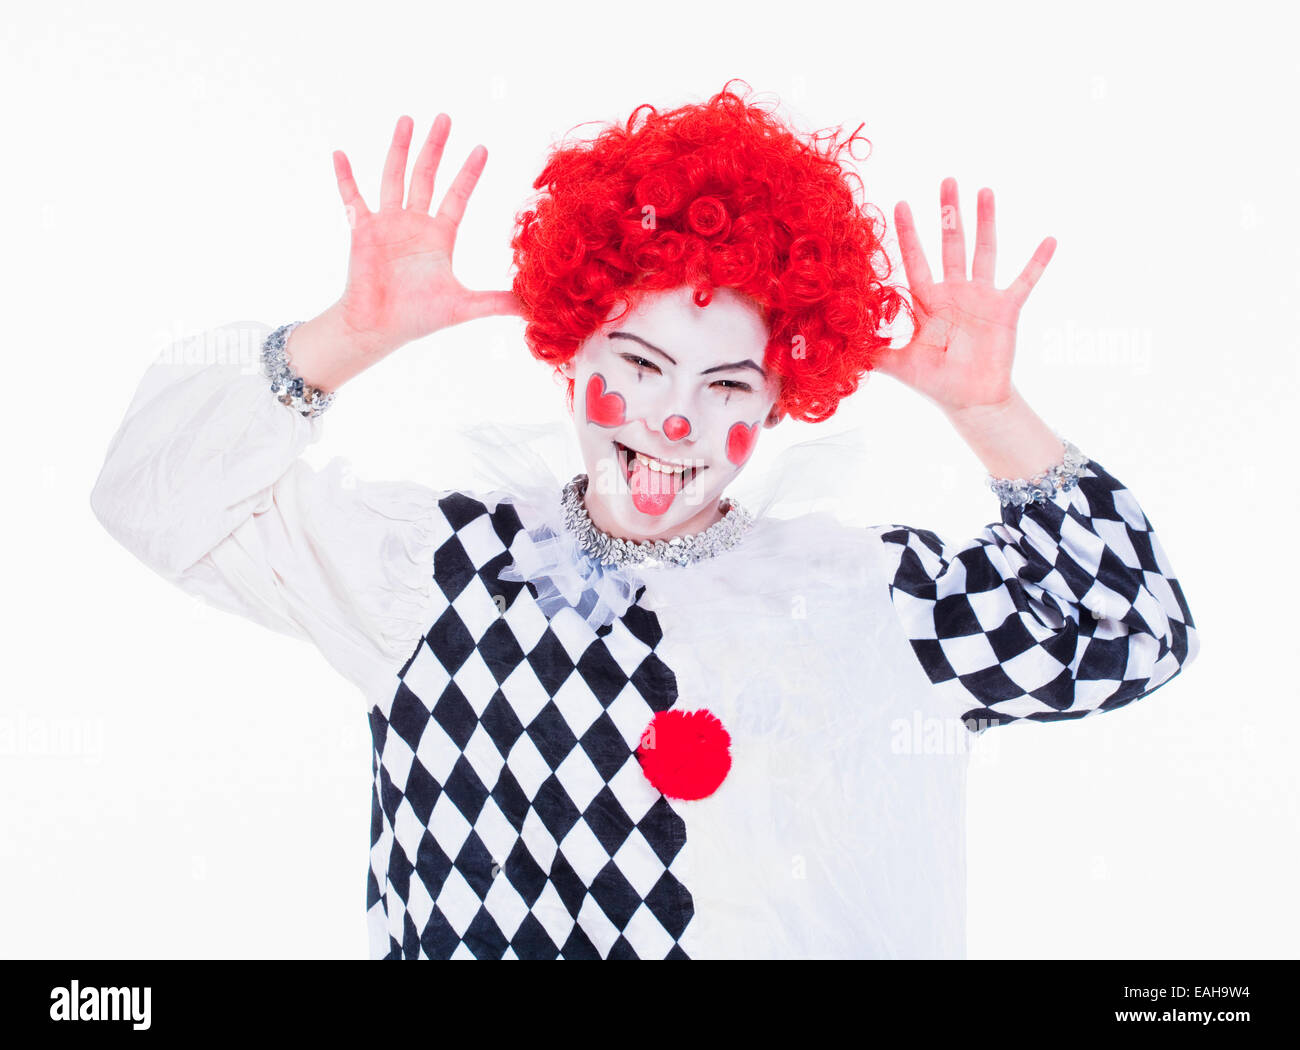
{"points": [[731, 384], [640, 362]]}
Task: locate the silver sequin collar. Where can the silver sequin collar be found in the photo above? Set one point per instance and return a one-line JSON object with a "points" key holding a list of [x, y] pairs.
{"points": [[680, 550]]}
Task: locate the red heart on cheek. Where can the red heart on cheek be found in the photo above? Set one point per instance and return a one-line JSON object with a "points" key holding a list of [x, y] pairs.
{"points": [[740, 442], [605, 410]]}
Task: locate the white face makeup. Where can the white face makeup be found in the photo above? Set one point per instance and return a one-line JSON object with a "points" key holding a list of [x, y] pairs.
{"points": [[668, 403]]}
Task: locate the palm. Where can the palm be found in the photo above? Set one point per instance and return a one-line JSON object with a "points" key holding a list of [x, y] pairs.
{"points": [[961, 352], [400, 281], [399, 275]]}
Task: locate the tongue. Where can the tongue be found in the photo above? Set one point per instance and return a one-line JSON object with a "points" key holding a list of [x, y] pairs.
{"points": [[652, 492]]}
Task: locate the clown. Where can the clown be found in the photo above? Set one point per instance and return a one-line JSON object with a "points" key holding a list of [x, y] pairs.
{"points": [[619, 714]]}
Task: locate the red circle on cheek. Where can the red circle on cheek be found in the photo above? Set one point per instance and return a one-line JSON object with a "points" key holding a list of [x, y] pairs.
{"points": [[741, 439]]}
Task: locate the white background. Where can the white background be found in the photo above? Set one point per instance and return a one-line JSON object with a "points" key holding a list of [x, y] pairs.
{"points": [[178, 782]]}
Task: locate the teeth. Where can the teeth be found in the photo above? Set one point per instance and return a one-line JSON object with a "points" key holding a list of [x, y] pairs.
{"points": [[657, 465], [687, 470]]}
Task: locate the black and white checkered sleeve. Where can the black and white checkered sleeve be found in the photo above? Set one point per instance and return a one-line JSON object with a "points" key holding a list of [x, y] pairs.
{"points": [[1064, 608]]}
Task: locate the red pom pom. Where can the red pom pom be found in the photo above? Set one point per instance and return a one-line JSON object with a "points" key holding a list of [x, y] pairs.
{"points": [[685, 754]]}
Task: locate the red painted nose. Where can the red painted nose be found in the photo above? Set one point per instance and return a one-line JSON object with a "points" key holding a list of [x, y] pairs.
{"points": [[676, 427]]}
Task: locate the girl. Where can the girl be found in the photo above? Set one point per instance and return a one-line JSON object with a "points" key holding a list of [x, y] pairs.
{"points": [[619, 714]]}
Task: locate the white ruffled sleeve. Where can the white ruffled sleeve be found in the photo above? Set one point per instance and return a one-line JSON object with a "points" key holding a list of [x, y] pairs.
{"points": [[204, 483]]}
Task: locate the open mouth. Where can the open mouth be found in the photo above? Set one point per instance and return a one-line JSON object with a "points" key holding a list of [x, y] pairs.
{"points": [[674, 480]]}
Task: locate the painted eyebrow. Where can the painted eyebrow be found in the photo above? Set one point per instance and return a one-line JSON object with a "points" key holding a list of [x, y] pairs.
{"points": [[747, 363]]}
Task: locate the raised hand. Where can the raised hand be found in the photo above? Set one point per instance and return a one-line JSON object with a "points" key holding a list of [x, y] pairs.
{"points": [[400, 282], [961, 353]]}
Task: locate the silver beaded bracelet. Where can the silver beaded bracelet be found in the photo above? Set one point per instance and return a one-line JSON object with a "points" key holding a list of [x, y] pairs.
{"points": [[287, 385], [1041, 487]]}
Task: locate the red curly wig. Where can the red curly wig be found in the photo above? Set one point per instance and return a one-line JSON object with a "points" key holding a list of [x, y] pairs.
{"points": [[714, 195]]}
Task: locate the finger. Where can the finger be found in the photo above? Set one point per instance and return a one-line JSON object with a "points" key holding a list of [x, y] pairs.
{"points": [[393, 187], [986, 242], [1019, 289], [426, 164], [453, 204], [954, 240], [884, 360], [352, 200], [489, 304], [897, 362], [909, 245]]}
